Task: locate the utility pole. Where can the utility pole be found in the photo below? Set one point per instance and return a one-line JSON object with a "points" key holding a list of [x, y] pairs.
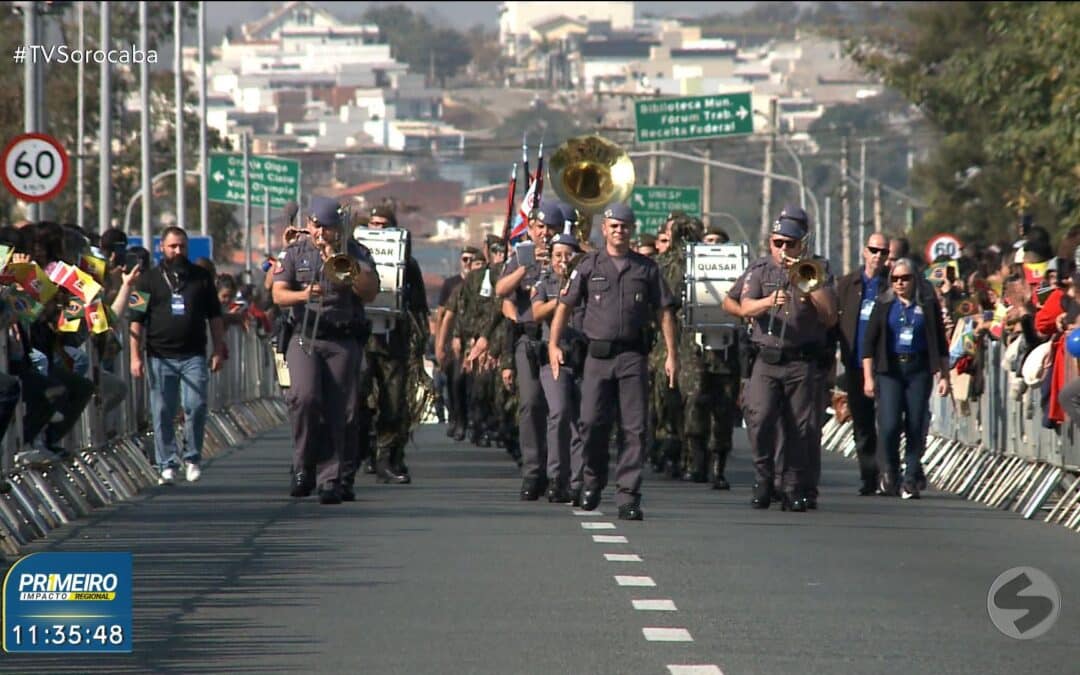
{"points": [[706, 186], [827, 223], [204, 167], [105, 129], [845, 208], [178, 68], [31, 112], [910, 209], [144, 131], [878, 216], [862, 190], [247, 209], [653, 160], [80, 191], [766, 182]]}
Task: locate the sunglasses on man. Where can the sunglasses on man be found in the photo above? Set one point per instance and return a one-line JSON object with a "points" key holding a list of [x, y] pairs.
{"points": [[874, 250], [785, 243]]}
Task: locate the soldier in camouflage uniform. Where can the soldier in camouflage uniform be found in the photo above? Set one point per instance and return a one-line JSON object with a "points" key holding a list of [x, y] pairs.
{"points": [[473, 317], [391, 356], [711, 412]]}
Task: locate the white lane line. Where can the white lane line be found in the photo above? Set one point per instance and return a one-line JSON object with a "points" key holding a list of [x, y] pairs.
{"points": [[627, 580], [622, 557], [655, 605], [694, 670], [598, 526], [587, 513], [610, 539], [667, 635]]}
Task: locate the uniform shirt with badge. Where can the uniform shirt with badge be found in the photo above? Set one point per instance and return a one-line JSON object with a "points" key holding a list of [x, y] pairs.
{"points": [[181, 300], [522, 295], [804, 326], [618, 304], [548, 289], [907, 329], [302, 265]]}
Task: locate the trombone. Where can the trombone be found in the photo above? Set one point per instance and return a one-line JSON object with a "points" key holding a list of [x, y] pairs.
{"points": [[804, 274], [339, 269]]}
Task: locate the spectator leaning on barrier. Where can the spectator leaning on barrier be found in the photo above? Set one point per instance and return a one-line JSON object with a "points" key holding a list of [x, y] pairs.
{"points": [[180, 300], [904, 346]]}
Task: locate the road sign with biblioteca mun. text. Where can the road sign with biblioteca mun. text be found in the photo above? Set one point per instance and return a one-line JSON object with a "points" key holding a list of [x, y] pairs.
{"points": [[681, 119]]}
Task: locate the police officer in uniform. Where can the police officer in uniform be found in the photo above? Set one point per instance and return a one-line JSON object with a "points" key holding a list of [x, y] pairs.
{"points": [[621, 291], [516, 284], [564, 439], [789, 334], [323, 396], [391, 357]]}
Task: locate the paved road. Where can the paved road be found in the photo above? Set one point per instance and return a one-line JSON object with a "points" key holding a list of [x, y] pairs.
{"points": [[453, 575]]}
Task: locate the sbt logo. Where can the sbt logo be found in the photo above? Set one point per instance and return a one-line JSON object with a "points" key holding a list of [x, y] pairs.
{"points": [[69, 586]]}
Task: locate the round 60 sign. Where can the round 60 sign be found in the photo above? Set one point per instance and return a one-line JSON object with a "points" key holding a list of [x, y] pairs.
{"points": [[943, 244], [35, 167]]}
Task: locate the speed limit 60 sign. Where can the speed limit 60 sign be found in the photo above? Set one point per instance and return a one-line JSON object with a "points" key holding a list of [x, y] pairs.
{"points": [[943, 244], [35, 167]]}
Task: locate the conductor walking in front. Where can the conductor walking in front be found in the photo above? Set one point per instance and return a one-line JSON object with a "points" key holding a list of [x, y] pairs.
{"points": [[621, 292]]}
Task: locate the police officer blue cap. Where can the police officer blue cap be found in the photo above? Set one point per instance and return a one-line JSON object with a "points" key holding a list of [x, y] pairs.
{"points": [[550, 213], [566, 240], [324, 211], [621, 212], [792, 222]]}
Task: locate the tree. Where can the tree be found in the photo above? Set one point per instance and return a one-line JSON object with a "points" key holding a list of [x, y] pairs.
{"points": [[1000, 80], [419, 44]]}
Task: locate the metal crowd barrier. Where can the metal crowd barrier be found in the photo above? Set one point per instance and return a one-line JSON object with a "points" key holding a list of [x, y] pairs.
{"points": [[110, 456], [994, 450]]}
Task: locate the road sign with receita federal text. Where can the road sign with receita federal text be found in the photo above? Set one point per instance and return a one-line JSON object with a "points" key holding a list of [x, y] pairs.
{"points": [[678, 119]]}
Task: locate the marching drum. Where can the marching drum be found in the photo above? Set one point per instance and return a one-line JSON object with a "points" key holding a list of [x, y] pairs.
{"points": [[711, 270], [388, 248]]}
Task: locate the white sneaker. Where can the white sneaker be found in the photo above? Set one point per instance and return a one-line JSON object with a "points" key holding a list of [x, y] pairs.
{"points": [[168, 476], [192, 472]]}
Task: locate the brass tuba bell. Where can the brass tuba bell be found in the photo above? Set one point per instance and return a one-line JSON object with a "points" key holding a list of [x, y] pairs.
{"points": [[588, 173]]}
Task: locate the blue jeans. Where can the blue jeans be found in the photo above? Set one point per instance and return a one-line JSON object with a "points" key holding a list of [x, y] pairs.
{"points": [[173, 381], [903, 406]]}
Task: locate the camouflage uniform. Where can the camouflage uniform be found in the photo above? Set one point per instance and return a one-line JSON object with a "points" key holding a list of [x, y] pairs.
{"points": [[391, 360], [476, 315]]}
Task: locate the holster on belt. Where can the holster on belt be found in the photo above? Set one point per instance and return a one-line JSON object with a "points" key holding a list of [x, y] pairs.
{"points": [[283, 331]]}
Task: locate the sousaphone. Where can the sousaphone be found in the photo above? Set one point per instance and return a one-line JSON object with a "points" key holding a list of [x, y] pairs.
{"points": [[588, 173]]}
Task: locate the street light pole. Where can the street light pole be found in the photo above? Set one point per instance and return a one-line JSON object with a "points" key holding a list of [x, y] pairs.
{"points": [[138, 194]]}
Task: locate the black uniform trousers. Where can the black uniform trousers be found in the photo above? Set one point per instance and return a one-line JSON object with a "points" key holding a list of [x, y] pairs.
{"points": [[619, 383], [863, 424]]}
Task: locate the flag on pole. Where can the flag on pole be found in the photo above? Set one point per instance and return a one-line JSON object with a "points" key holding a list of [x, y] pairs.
{"points": [[521, 219]]}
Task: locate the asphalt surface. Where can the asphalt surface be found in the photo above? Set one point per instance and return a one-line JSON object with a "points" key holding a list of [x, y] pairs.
{"points": [[453, 574]]}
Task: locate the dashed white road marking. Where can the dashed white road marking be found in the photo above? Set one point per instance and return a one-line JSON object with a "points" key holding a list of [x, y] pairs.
{"points": [[694, 670], [667, 635], [598, 526], [610, 539], [622, 557], [655, 605], [578, 512], [627, 580]]}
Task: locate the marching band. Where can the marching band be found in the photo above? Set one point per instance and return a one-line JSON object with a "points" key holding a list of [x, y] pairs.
{"points": [[557, 347]]}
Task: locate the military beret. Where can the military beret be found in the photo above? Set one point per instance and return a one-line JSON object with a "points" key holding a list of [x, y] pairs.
{"points": [[716, 229], [677, 213], [471, 250], [647, 239], [494, 240], [325, 211], [619, 211], [384, 211]]}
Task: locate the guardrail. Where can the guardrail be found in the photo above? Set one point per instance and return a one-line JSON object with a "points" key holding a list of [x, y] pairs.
{"points": [[110, 454], [994, 450]]}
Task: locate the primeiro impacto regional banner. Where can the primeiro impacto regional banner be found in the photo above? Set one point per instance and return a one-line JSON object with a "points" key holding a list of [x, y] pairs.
{"points": [[68, 602]]}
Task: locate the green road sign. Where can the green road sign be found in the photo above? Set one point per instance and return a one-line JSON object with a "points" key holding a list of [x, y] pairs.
{"points": [[653, 204], [279, 177], [680, 119]]}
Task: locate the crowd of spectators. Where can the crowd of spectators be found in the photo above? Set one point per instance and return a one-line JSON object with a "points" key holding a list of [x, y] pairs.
{"points": [[64, 336]]}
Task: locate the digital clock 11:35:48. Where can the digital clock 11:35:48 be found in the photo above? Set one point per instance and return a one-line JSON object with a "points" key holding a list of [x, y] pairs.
{"points": [[68, 635]]}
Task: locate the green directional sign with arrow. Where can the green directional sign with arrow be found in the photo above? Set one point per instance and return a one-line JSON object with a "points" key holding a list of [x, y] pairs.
{"points": [[279, 177], [680, 119], [652, 204]]}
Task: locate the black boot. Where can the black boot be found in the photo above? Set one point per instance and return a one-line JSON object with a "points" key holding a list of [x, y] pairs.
{"points": [[719, 463], [762, 496], [384, 473]]}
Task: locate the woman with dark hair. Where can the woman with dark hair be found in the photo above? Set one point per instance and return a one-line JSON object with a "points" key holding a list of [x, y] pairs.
{"points": [[904, 346]]}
